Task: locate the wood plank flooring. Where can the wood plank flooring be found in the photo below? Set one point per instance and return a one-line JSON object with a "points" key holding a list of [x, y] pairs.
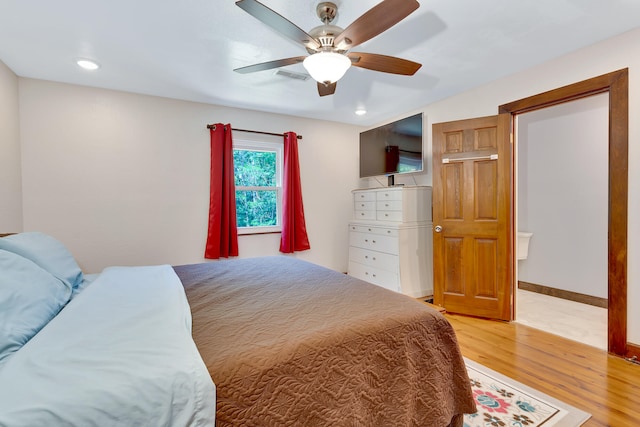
{"points": [[607, 387]]}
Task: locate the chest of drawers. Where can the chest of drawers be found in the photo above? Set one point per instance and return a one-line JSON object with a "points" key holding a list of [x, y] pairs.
{"points": [[390, 241]]}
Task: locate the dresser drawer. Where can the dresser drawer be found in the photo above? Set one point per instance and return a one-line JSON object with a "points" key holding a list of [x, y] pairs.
{"points": [[389, 216], [374, 275], [382, 231], [364, 214], [361, 205], [374, 242], [389, 205], [364, 196], [389, 195], [376, 259]]}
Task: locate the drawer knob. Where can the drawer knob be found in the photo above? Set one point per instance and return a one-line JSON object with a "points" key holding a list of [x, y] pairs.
{"points": [[374, 258], [369, 229], [373, 241], [366, 240], [366, 257]]}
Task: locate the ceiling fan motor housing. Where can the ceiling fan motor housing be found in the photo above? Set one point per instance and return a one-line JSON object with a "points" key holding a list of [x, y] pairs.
{"points": [[325, 35]]}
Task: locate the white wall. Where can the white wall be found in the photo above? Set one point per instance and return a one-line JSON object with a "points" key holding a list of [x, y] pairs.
{"points": [[123, 179], [10, 163], [563, 195]]}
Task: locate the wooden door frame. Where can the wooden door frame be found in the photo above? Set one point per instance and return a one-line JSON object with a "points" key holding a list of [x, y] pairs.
{"points": [[617, 85]]}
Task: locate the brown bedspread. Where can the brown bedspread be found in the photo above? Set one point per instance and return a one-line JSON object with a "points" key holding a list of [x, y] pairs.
{"points": [[289, 343]]}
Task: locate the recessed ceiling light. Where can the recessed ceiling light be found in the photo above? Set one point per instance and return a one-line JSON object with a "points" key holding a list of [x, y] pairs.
{"points": [[361, 111], [87, 64]]}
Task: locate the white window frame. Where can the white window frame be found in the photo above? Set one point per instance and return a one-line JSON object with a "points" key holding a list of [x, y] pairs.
{"points": [[279, 150]]}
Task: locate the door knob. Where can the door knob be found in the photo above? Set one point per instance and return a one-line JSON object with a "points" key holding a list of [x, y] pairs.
{"points": [[437, 229]]}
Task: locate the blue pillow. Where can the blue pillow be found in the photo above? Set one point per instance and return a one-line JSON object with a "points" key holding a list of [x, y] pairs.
{"points": [[48, 253], [29, 298]]}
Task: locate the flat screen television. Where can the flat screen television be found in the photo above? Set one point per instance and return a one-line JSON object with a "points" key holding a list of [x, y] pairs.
{"points": [[392, 149]]}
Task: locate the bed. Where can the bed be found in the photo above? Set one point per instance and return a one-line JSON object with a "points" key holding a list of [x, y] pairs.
{"points": [[291, 343], [276, 341]]}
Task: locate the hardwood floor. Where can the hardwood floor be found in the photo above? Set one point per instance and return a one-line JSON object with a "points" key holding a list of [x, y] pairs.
{"points": [[607, 387]]}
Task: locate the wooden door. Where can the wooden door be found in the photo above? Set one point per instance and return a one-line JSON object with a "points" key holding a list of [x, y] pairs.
{"points": [[472, 217]]}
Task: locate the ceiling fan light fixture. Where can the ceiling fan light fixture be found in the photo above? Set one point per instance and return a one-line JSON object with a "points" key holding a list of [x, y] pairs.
{"points": [[327, 67]]}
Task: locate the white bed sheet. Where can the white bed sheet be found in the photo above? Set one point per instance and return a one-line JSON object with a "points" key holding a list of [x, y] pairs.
{"points": [[119, 354]]}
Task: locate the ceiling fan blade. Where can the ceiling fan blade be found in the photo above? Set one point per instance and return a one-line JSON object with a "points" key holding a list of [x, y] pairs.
{"points": [[277, 22], [378, 19], [324, 90], [383, 63], [269, 65]]}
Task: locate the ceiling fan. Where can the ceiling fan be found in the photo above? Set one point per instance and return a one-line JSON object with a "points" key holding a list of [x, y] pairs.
{"points": [[329, 45]]}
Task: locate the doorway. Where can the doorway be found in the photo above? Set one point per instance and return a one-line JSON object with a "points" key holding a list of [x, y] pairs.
{"points": [[616, 85], [561, 198]]}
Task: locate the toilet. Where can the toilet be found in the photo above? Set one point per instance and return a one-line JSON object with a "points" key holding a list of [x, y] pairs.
{"points": [[522, 248]]}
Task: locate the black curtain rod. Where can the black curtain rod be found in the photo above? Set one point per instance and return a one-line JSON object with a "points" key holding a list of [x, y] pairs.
{"points": [[254, 131]]}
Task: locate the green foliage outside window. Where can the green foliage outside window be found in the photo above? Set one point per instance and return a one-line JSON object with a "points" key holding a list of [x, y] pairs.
{"points": [[255, 206], [254, 168]]}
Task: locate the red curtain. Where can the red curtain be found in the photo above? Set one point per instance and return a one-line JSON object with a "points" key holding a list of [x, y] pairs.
{"points": [[222, 238], [294, 231]]}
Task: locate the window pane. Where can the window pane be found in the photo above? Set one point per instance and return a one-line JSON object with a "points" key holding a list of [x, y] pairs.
{"points": [[254, 168], [256, 208]]}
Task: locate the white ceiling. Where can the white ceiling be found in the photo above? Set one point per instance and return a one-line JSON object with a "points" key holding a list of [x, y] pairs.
{"points": [[188, 49]]}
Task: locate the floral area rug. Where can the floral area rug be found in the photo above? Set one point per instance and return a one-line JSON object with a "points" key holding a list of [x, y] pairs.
{"points": [[504, 402]]}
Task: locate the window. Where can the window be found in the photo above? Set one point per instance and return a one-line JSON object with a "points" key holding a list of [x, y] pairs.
{"points": [[257, 168]]}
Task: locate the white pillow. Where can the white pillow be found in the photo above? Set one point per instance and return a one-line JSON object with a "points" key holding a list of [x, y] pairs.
{"points": [[48, 253], [29, 298]]}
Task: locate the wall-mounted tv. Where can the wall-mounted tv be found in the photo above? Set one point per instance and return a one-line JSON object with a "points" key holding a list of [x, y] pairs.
{"points": [[392, 149]]}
